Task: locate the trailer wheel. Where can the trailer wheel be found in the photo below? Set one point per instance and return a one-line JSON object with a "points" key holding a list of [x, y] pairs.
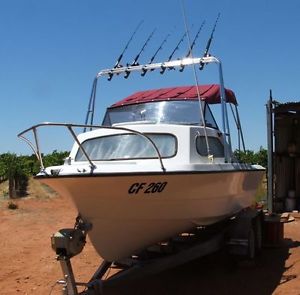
{"points": [[245, 235]]}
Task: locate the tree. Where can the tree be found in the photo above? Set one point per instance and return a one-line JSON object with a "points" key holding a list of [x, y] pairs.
{"points": [[17, 169], [55, 158], [10, 169], [250, 157], [262, 157], [245, 157]]}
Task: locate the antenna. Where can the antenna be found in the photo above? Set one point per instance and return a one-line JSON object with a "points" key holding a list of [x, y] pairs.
{"points": [[209, 41], [135, 61], [117, 64], [196, 82]]}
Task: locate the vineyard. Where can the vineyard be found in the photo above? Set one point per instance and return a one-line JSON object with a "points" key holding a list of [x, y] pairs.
{"points": [[17, 169]]}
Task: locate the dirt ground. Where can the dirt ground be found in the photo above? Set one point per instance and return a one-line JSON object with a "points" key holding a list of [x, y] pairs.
{"points": [[28, 265]]}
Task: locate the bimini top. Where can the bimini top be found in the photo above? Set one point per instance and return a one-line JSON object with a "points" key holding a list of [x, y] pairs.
{"points": [[208, 93]]}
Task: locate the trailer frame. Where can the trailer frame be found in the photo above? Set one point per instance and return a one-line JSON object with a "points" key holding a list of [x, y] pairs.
{"points": [[241, 234]]}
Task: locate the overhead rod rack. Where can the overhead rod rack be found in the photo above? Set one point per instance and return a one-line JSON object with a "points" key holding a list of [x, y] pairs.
{"points": [[169, 64], [161, 65]]}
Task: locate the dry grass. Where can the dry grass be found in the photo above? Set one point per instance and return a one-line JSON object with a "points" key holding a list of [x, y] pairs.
{"points": [[261, 192], [35, 189], [38, 190]]}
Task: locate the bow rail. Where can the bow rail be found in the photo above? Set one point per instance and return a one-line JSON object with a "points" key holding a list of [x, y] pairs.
{"points": [[35, 146]]}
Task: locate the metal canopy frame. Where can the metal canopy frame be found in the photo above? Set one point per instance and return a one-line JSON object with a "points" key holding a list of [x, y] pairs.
{"points": [[181, 63], [173, 64]]}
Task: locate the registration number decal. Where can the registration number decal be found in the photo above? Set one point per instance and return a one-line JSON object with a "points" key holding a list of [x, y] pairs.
{"points": [[147, 188]]}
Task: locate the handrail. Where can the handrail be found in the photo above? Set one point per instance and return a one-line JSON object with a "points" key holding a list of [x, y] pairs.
{"points": [[36, 148]]}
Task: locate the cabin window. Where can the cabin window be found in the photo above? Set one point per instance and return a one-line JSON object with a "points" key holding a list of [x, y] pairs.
{"points": [[184, 112], [215, 145], [128, 146]]}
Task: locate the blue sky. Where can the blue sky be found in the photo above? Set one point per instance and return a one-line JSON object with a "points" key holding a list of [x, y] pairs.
{"points": [[50, 52]]}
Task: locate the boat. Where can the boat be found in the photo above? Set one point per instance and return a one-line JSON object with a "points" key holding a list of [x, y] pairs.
{"points": [[157, 166]]}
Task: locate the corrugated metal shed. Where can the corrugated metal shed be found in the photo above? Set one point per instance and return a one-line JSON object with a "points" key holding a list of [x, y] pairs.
{"points": [[286, 156]]}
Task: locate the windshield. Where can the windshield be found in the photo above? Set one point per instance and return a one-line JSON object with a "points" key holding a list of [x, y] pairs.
{"points": [[127, 146], [169, 112]]}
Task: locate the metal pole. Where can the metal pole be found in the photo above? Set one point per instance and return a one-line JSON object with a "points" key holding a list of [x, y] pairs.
{"points": [[269, 108], [38, 148], [91, 106], [93, 166], [226, 131], [240, 128], [69, 287], [190, 54]]}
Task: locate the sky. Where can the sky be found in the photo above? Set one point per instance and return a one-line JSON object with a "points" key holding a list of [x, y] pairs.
{"points": [[50, 52]]}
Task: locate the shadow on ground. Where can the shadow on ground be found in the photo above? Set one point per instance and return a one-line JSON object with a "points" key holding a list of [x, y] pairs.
{"points": [[216, 274]]}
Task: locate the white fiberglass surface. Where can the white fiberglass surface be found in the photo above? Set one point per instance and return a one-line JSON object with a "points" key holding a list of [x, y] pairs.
{"points": [[127, 146], [168, 112]]}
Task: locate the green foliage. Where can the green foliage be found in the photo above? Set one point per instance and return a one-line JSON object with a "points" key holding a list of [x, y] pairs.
{"points": [[17, 169], [262, 157], [56, 158], [8, 164], [251, 157], [30, 164], [11, 169]]}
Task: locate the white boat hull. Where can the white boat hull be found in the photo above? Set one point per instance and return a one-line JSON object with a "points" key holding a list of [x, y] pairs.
{"points": [[132, 211]]}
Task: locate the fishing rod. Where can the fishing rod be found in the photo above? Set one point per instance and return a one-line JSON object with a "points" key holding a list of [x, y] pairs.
{"points": [[144, 71], [175, 49], [135, 61], [125, 48], [209, 41], [193, 44], [195, 39]]}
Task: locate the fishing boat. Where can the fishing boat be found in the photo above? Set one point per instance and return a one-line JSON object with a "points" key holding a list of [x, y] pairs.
{"points": [[157, 166]]}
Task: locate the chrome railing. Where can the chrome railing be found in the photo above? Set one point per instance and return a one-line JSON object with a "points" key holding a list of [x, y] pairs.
{"points": [[35, 146]]}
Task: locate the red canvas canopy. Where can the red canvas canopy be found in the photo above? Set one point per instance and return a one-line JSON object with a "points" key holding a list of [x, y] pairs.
{"points": [[208, 93]]}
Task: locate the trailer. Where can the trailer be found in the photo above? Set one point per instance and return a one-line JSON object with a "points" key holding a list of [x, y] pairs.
{"points": [[241, 235]]}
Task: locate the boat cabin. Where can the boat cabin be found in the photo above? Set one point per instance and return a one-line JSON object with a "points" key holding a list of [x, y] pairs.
{"points": [[169, 118]]}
